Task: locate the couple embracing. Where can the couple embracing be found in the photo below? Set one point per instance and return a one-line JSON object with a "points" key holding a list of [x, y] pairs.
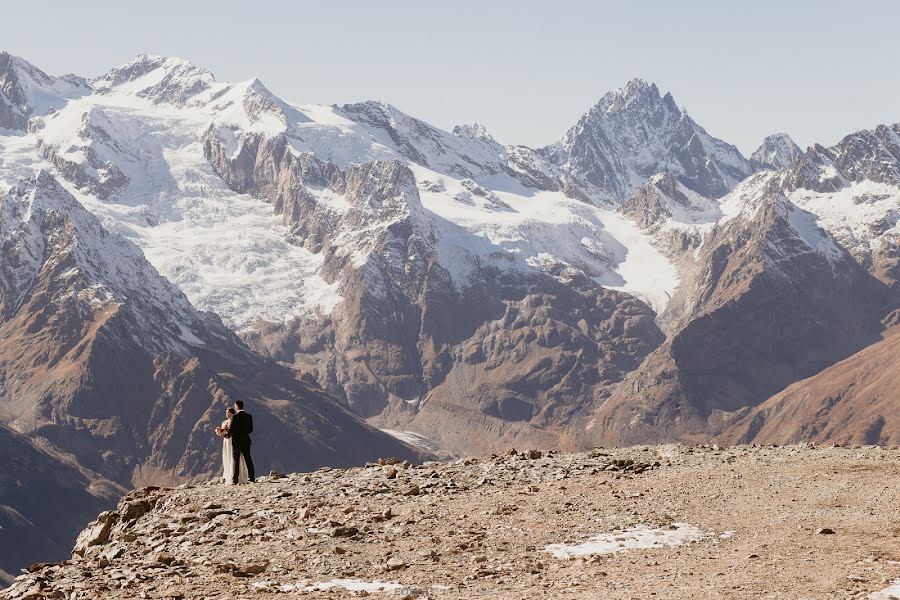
{"points": [[235, 433]]}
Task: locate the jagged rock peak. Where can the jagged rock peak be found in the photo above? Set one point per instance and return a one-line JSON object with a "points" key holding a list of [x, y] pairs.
{"points": [[776, 152], [634, 133], [636, 92], [475, 131]]}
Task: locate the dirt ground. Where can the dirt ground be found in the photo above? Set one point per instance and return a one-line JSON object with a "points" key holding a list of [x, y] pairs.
{"points": [[792, 523]]}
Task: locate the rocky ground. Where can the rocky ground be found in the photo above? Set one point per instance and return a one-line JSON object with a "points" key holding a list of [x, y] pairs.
{"points": [[752, 522]]}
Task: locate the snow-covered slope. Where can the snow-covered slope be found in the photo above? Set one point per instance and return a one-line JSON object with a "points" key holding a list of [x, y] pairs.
{"points": [[136, 161], [131, 152], [100, 271], [853, 189], [26, 91]]}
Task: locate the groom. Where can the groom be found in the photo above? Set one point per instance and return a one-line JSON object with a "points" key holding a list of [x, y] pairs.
{"points": [[240, 430]]}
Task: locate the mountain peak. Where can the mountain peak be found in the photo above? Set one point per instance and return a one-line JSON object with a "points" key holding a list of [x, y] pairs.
{"points": [[157, 78], [634, 133], [475, 131], [26, 91], [637, 91], [776, 152]]}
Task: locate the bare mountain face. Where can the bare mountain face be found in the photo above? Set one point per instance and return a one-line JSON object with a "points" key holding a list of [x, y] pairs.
{"points": [[776, 152], [853, 401], [482, 294], [44, 503]]}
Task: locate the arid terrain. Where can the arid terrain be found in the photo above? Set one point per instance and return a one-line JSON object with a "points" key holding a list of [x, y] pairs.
{"points": [[749, 522]]}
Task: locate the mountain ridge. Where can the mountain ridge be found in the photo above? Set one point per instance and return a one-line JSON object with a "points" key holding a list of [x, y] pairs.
{"points": [[348, 268]]}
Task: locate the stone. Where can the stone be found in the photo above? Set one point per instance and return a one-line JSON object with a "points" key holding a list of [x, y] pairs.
{"points": [[96, 534], [344, 531], [255, 568]]}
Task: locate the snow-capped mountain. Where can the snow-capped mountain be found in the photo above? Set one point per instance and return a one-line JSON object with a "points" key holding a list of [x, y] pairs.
{"points": [[447, 283], [773, 299], [105, 360], [853, 188], [634, 133], [776, 152], [26, 91]]}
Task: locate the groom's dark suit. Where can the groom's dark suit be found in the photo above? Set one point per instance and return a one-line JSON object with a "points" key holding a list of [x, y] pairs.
{"points": [[239, 431]]}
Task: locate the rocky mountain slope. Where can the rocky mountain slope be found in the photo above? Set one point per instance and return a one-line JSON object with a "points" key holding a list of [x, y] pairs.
{"points": [[105, 360], [854, 401], [778, 300], [34, 525], [667, 521]]}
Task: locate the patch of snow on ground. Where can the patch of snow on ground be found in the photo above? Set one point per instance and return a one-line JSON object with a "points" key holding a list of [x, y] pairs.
{"points": [[353, 585], [886, 594], [634, 538], [417, 440]]}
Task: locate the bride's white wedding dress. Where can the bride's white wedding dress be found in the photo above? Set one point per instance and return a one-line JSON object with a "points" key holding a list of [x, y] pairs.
{"points": [[228, 460]]}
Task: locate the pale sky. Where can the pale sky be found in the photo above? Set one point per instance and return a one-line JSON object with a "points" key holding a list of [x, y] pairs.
{"points": [[526, 70]]}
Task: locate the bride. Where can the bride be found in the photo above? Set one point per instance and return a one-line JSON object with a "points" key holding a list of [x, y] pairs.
{"points": [[227, 455]]}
